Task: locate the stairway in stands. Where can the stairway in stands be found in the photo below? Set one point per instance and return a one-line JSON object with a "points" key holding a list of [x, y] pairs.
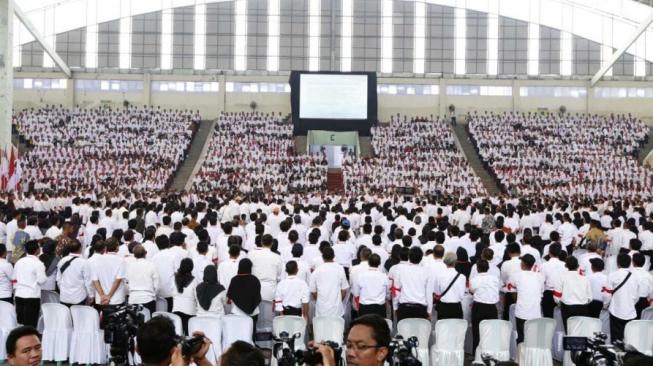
{"points": [[647, 148], [21, 144], [335, 180], [467, 147], [194, 156]]}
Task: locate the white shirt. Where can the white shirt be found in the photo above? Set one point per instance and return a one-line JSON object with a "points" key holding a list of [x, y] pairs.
{"points": [[328, 280], [75, 282], [226, 271], [29, 274], [485, 288], [292, 292], [151, 248], [457, 290], [508, 270], [415, 285], [345, 254], [216, 309], [584, 262], [166, 264], [573, 289], [599, 285], [622, 303], [552, 270], [530, 286], [108, 268], [142, 278], [199, 264], [184, 301], [267, 267], [6, 275], [372, 287], [644, 282]]}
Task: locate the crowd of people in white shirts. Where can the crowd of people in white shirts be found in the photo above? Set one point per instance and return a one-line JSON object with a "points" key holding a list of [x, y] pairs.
{"points": [[254, 152], [573, 155], [312, 255], [416, 153], [103, 149]]}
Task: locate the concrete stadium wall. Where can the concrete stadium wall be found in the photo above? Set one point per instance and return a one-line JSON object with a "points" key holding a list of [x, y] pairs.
{"points": [[211, 104]]}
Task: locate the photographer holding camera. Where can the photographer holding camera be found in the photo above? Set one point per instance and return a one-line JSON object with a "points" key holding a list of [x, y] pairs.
{"points": [[158, 345], [368, 342]]}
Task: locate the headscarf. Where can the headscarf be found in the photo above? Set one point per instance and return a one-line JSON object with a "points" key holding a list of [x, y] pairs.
{"points": [[210, 288], [48, 257], [184, 275], [245, 288]]}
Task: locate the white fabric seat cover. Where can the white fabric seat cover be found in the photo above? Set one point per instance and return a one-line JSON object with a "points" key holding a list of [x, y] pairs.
{"points": [[647, 314], [48, 297], [538, 336], [494, 339], [236, 328], [639, 334], [513, 334], [420, 328], [87, 342], [605, 324], [212, 329], [448, 349], [580, 326], [466, 304], [57, 330], [558, 335], [176, 320], [7, 323], [291, 325], [161, 304], [328, 328]]}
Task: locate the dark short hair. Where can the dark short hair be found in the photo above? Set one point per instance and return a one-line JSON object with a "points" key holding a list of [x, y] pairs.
{"points": [[380, 329], [623, 260], [291, 267], [374, 260], [415, 255], [18, 333], [155, 338], [242, 353], [571, 263], [482, 266], [31, 247]]}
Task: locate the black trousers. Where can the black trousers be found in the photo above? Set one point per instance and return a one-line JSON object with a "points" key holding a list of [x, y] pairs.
{"points": [[184, 320], [595, 308], [617, 327], [289, 310], [405, 311], [640, 305], [27, 310], [567, 311], [509, 299], [8, 299], [548, 304], [449, 310], [520, 329], [378, 309], [151, 306], [480, 312], [83, 302], [169, 301]]}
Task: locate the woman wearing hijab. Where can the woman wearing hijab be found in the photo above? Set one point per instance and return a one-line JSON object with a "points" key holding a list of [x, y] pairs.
{"points": [[50, 260], [245, 291], [210, 294], [183, 301]]}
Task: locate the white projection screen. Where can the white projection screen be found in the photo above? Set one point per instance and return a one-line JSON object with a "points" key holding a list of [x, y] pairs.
{"points": [[333, 96]]}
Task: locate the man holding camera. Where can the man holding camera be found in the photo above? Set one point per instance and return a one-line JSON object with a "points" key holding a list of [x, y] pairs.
{"points": [[158, 345]]}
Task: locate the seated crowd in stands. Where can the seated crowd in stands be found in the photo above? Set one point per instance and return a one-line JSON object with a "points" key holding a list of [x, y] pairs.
{"points": [[254, 152], [418, 153], [575, 155], [332, 256], [103, 149]]}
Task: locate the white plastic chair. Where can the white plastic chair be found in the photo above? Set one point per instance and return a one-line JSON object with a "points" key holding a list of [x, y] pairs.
{"points": [[605, 324], [558, 335], [449, 347], [580, 326], [513, 334], [466, 304], [639, 334], [57, 329], [7, 323], [236, 328], [647, 314], [420, 328], [328, 328], [49, 297], [291, 325], [212, 329], [536, 349], [146, 313], [176, 320], [494, 339], [390, 325], [87, 342]]}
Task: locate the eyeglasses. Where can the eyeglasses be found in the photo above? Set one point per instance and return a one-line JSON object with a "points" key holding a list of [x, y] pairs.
{"points": [[356, 347]]}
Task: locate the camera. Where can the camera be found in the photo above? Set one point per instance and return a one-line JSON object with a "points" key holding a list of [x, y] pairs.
{"points": [[120, 326], [190, 345], [403, 352], [595, 352], [286, 355]]}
